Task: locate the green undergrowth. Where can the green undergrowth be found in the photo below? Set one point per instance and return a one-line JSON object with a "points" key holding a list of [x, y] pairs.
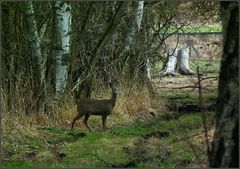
{"points": [[206, 66], [153, 143], [190, 97]]}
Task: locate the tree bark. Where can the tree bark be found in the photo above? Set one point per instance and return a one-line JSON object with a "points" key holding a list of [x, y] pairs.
{"points": [[170, 63], [148, 68], [37, 58], [63, 28], [225, 152], [135, 27], [183, 57], [136, 24], [34, 41]]}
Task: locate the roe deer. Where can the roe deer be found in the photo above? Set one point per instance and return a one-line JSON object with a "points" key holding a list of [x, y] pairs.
{"points": [[96, 107]]}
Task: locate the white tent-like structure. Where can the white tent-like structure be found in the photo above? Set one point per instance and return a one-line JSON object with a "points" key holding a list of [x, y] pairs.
{"points": [[170, 64], [177, 60]]}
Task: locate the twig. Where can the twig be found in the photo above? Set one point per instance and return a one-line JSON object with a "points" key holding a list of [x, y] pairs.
{"points": [[203, 114], [79, 82], [39, 95], [211, 77], [194, 152], [186, 87], [182, 87]]}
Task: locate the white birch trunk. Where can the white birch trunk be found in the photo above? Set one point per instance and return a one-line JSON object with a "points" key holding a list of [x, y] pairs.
{"points": [[136, 25], [114, 6], [171, 63], [63, 26], [34, 40], [183, 57], [148, 69], [139, 17], [139, 14]]}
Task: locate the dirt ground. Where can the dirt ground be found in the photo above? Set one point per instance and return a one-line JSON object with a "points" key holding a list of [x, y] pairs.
{"points": [[184, 83]]}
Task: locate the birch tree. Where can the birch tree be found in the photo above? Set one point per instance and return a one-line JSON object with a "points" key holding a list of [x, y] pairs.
{"points": [[35, 48], [135, 27], [63, 28], [34, 42]]}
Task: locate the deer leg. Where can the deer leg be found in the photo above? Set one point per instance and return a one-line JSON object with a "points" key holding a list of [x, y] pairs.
{"points": [[85, 121], [104, 119], [75, 119]]}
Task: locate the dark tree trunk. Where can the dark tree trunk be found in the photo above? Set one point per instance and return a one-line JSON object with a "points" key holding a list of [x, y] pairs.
{"points": [[225, 152]]}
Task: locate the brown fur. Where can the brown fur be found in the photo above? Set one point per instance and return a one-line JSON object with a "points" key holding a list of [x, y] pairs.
{"points": [[96, 107]]}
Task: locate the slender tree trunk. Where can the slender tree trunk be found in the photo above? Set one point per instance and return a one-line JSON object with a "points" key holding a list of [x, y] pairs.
{"points": [[38, 60], [63, 28], [225, 152], [10, 16], [114, 6], [138, 62], [11, 103], [50, 68], [148, 68], [135, 27], [34, 41]]}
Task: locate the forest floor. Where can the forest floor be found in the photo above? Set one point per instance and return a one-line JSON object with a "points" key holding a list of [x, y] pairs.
{"points": [[174, 138]]}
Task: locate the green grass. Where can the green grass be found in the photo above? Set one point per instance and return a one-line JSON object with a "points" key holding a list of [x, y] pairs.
{"points": [[115, 147], [205, 66]]}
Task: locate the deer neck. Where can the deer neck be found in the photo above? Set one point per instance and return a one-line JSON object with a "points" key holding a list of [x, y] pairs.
{"points": [[113, 98]]}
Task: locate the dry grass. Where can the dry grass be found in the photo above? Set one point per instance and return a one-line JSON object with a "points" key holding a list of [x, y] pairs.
{"points": [[133, 104], [16, 126]]}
